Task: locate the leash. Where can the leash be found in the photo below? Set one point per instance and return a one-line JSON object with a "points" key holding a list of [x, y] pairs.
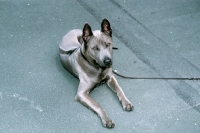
{"points": [[154, 78]]}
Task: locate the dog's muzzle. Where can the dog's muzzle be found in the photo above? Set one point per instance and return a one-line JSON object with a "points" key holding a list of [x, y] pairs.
{"points": [[107, 62]]}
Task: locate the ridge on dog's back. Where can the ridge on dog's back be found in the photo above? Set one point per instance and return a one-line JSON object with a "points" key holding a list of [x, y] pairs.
{"points": [[70, 40]]}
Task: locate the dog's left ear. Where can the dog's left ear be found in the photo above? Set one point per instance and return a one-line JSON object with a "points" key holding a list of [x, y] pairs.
{"points": [[87, 33], [105, 27]]}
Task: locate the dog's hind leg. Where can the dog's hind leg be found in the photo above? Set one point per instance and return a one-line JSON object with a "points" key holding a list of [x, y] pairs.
{"points": [[84, 98]]}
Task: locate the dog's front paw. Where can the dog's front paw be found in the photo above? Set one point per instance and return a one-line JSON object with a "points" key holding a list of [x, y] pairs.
{"points": [[127, 105], [107, 122]]}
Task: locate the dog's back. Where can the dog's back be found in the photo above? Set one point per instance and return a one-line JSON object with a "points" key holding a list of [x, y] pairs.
{"points": [[72, 40]]}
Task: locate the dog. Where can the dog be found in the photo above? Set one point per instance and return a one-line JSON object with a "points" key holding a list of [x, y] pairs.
{"points": [[87, 55]]}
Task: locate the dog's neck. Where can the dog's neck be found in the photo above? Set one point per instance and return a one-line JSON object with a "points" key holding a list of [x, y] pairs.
{"points": [[83, 54], [86, 58]]}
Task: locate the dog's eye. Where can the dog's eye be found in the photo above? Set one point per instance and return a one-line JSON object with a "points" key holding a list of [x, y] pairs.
{"points": [[107, 44], [96, 48]]}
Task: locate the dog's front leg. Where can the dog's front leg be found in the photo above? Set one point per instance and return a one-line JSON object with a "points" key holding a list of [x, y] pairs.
{"points": [[83, 97], [112, 83]]}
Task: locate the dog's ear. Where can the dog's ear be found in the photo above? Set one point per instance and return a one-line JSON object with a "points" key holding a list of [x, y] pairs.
{"points": [[87, 33], [105, 27]]}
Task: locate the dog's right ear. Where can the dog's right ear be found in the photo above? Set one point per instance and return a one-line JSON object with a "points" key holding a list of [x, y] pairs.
{"points": [[87, 33]]}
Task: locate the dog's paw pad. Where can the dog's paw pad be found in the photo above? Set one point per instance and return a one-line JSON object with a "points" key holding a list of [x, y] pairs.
{"points": [[108, 124], [129, 107]]}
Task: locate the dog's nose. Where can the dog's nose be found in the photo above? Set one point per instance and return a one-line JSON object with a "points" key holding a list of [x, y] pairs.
{"points": [[107, 61]]}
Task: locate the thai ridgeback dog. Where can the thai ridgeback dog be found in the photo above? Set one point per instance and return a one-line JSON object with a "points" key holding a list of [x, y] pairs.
{"points": [[87, 55]]}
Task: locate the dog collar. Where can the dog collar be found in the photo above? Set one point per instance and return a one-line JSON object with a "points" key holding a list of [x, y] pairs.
{"points": [[87, 59]]}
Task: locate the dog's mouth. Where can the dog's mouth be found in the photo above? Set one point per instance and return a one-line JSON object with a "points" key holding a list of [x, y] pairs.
{"points": [[104, 67], [107, 63]]}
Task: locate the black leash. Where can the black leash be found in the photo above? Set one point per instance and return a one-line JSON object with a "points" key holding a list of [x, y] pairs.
{"points": [[153, 78]]}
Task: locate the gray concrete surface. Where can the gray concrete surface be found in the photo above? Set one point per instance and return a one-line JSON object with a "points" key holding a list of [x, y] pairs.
{"points": [[155, 38]]}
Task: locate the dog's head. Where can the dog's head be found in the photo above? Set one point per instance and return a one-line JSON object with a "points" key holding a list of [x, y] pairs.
{"points": [[98, 44]]}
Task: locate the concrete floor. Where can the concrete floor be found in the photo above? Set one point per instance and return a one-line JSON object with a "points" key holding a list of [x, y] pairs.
{"points": [[155, 39]]}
